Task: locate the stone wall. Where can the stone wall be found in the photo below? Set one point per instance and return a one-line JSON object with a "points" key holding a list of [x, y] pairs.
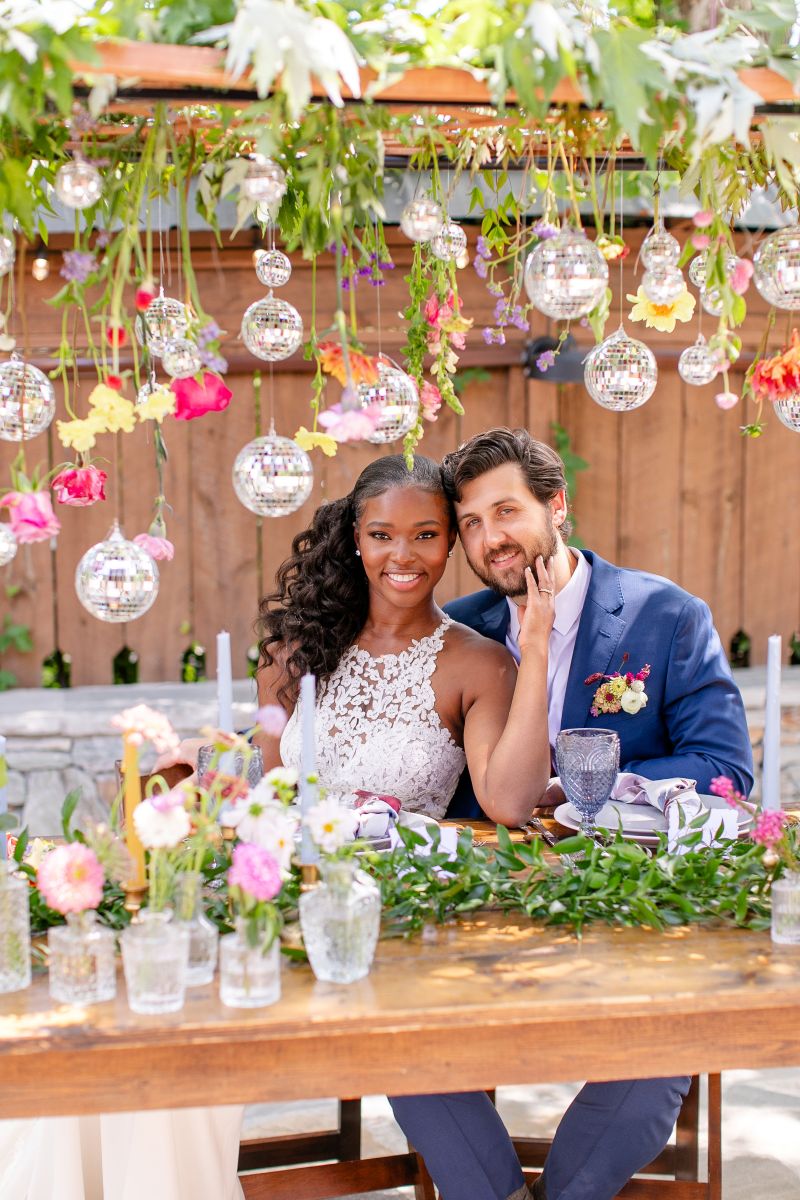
{"points": [[60, 740]]}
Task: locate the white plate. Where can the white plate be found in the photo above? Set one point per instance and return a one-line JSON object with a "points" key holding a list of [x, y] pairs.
{"points": [[640, 822]]}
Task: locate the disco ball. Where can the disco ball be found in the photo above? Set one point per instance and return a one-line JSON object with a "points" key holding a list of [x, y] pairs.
{"points": [[273, 268], [116, 580], [164, 320], [7, 254], [698, 364], [265, 181], [78, 184], [395, 394], [272, 329], [697, 269], [662, 285], [272, 476], [788, 412], [8, 544], [621, 373], [27, 400], [776, 265], [421, 219], [180, 358], [565, 276], [449, 242], [659, 249]]}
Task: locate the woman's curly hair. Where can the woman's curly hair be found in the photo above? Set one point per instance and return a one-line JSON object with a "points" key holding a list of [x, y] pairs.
{"points": [[321, 599]]}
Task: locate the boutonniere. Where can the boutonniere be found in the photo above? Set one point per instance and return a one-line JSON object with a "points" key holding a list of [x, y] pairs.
{"points": [[621, 692]]}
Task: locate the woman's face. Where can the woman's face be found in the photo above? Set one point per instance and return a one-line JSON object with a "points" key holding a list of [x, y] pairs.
{"points": [[404, 536]]}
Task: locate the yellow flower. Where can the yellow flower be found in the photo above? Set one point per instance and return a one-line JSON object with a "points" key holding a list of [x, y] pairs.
{"points": [[307, 440], [158, 404], [661, 316], [114, 410], [80, 435]]}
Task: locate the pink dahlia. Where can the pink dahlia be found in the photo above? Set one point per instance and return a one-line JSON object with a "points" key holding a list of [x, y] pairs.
{"points": [[157, 547], [70, 878], [255, 871]]}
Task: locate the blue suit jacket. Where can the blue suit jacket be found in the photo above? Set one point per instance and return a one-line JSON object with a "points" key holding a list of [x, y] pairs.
{"points": [[693, 724]]}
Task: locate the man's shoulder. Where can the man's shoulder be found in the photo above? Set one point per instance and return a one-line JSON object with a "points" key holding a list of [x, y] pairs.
{"points": [[466, 609], [639, 588]]}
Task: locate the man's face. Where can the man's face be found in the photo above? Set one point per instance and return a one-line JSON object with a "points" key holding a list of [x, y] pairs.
{"points": [[503, 528]]}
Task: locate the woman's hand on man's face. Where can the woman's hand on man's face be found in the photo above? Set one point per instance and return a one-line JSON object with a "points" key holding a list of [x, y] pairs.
{"points": [[538, 613]]}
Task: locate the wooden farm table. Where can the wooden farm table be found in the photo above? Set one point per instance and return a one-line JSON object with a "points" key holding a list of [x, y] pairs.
{"points": [[493, 1000]]}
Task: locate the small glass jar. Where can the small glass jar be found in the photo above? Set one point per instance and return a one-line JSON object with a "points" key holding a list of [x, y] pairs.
{"points": [[203, 935], [249, 976], [155, 955], [786, 909], [340, 920], [15, 929], [81, 960]]}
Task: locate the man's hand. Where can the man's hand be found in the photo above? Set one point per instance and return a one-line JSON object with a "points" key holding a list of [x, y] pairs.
{"points": [[186, 752], [553, 796]]}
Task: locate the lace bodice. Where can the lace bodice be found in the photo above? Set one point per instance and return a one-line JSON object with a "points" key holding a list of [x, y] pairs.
{"points": [[378, 729]]}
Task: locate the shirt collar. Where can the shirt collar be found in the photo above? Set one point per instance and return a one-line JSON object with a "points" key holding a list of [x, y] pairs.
{"points": [[568, 602]]}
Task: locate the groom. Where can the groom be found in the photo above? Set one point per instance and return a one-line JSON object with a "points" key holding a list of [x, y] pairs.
{"points": [[509, 493]]}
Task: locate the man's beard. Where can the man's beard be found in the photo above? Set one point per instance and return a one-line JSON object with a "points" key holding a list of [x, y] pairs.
{"points": [[513, 583]]}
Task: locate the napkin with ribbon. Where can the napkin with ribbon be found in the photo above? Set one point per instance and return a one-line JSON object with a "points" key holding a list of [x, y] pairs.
{"points": [[376, 814], [678, 800]]}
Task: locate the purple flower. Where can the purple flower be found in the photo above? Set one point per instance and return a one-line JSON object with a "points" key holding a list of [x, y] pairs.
{"points": [[494, 289], [347, 283], [102, 239], [544, 230], [501, 310], [494, 336], [482, 249], [377, 282], [546, 360], [78, 265], [363, 272], [210, 332], [386, 266], [518, 318], [214, 362], [488, 336]]}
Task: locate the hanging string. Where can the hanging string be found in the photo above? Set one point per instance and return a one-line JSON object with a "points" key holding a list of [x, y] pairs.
{"points": [[621, 234], [259, 520], [378, 281], [160, 242], [271, 401], [53, 563]]}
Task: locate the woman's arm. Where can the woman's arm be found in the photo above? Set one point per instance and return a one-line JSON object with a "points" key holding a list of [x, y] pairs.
{"points": [[506, 737], [269, 681]]}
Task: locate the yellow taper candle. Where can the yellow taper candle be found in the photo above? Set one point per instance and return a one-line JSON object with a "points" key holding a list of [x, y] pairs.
{"points": [[133, 796]]}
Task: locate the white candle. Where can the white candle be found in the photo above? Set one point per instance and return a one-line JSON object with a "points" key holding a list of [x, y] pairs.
{"points": [[3, 793], [308, 764], [224, 682], [771, 774]]}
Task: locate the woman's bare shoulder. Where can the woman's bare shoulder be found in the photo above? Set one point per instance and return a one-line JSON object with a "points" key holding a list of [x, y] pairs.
{"points": [[466, 641]]}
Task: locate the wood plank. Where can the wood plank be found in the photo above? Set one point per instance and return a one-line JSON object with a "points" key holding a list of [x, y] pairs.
{"points": [[596, 437]]}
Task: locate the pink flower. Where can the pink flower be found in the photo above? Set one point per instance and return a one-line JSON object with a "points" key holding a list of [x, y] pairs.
{"points": [[768, 828], [703, 218], [726, 399], [255, 871], [145, 295], [196, 399], [430, 399], [721, 785], [31, 516], [272, 720], [80, 486], [143, 724], [352, 425], [700, 241], [741, 275], [157, 547], [70, 878], [165, 801]]}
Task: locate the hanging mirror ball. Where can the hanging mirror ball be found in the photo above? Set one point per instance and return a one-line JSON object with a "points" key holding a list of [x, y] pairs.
{"points": [[421, 219], [116, 580], [272, 476], [8, 544], [776, 268], [273, 268], [7, 254], [788, 412], [27, 400], [660, 249], [697, 364], [164, 320], [272, 329], [621, 373], [78, 184], [449, 242], [565, 276], [395, 394], [697, 269], [663, 285], [265, 181], [181, 358]]}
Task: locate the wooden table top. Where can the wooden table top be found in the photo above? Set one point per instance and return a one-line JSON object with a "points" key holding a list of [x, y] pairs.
{"points": [[492, 1000]]}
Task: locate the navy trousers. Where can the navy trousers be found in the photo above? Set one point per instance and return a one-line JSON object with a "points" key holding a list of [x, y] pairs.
{"points": [[610, 1131]]}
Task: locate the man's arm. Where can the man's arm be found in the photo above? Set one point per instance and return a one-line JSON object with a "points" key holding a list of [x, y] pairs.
{"points": [[703, 709]]}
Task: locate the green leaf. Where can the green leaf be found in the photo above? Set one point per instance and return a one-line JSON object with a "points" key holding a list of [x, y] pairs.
{"points": [[71, 801]]}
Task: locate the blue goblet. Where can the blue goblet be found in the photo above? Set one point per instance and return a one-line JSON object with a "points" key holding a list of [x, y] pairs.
{"points": [[587, 761]]}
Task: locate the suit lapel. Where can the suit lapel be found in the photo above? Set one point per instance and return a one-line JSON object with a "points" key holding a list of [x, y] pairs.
{"points": [[597, 646], [494, 622]]}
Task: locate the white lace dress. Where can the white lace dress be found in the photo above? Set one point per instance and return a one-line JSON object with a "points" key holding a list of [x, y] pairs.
{"points": [[377, 729]]}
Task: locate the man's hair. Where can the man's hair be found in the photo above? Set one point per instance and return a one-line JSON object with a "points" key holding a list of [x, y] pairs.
{"points": [[542, 468]]}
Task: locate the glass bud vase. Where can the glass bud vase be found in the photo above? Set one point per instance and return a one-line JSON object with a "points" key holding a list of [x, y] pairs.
{"points": [[203, 935], [15, 929], [786, 909], [249, 976], [340, 920], [155, 955], [81, 960]]}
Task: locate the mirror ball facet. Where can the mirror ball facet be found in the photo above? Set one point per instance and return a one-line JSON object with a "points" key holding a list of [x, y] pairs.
{"points": [[272, 476], [116, 580]]}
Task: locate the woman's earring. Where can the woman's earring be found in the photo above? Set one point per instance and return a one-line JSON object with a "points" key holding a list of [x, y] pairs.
{"points": [[449, 553], [358, 554]]}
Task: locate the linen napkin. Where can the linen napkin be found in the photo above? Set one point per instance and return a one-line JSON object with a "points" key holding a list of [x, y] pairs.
{"points": [[376, 814], [678, 800]]}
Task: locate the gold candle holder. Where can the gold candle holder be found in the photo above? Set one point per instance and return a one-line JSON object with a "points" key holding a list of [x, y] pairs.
{"points": [[134, 896], [309, 876]]}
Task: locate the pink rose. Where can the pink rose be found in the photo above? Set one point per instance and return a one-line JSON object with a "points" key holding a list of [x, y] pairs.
{"points": [[700, 241], [159, 548], [31, 516], [255, 871], [703, 218], [741, 275], [196, 399], [352, 425], [430, 399], [726, 399], [80, 486]]}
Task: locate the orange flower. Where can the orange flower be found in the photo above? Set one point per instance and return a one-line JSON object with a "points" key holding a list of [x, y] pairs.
{"points": [[363, 368], [777, 377]]}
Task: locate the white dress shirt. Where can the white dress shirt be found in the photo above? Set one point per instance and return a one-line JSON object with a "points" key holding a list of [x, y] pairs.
{"points": [[569, 606]]}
